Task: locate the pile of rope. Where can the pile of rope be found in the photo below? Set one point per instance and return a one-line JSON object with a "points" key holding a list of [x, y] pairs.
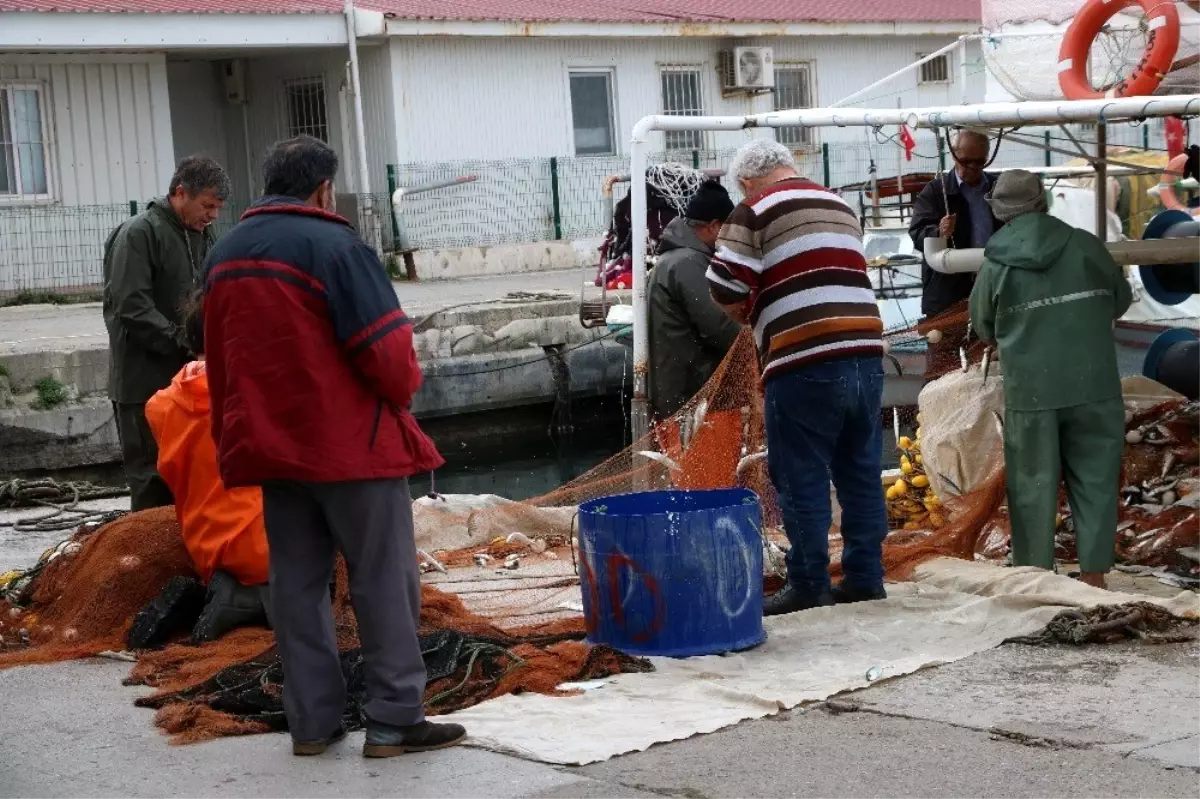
{"points": [[63, 498], [1140, 621]]}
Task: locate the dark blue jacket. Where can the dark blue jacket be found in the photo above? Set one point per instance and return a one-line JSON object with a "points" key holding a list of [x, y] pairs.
{"points": [[311, 365]]}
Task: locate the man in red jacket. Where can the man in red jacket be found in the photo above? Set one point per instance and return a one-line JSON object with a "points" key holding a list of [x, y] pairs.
{"points": [[311, 371]]}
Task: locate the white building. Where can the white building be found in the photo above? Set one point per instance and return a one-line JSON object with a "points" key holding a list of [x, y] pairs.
{"points": [[98, 98]]}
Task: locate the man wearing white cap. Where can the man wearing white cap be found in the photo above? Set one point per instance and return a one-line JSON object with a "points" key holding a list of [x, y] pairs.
{"points": [[1047, 295]]}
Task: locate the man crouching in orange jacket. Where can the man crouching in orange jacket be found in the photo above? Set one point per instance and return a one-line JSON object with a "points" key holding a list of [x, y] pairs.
{"points": [[222, 528]]}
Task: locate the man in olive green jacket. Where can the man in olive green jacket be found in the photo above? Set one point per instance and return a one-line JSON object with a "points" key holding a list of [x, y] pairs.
{"points": [[151, 264], [1048, 295]]}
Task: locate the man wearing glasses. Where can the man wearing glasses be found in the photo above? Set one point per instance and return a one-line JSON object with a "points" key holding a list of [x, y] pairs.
{"points": [[954, 206]]}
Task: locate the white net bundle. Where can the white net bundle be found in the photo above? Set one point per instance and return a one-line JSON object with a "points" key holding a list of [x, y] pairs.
{"points": [[1023, 56], [677, 183]]}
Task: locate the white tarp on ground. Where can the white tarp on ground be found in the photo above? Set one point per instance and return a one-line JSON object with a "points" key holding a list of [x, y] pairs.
{"points": [[956, 609]]}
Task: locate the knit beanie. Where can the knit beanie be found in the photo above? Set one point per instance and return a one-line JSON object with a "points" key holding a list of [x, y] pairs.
{"points": [[1017, 192], [710, 203]]}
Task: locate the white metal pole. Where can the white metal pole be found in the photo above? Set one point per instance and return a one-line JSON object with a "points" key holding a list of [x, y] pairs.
{"points": [[640, 407], [360, 136], [1011, 114], [1102, 181]]}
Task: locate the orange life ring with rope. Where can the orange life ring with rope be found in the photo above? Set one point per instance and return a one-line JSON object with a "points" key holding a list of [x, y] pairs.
{"points": [[1163, 24]]}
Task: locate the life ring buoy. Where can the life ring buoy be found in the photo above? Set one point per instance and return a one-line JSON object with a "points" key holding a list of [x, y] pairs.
{"points": [[1073, 55]]}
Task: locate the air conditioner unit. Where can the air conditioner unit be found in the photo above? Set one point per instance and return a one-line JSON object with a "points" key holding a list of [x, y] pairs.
{"points": [[748, 69], [233, 77]]}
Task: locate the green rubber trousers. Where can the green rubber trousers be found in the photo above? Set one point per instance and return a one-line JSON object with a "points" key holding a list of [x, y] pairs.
{"points": [[1083, 445]]}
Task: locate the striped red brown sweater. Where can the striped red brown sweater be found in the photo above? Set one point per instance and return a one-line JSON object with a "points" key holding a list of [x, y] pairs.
{"points": [[794, 252]]}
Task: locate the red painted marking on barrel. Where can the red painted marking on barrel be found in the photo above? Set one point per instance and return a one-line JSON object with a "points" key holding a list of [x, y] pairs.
{"points": [[591, 618], [617, 560]]}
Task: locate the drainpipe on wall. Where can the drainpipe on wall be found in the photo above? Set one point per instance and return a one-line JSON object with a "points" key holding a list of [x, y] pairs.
{"points": [[373, 234]]}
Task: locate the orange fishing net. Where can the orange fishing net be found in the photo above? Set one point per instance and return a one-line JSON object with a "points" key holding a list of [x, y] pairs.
{"points": [[83, 602]]}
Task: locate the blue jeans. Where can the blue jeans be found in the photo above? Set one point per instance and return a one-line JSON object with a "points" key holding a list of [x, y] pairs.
{"points": [[823, 423]]}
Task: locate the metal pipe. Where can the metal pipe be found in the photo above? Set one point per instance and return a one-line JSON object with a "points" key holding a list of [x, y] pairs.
{"points": [[1102, 182], [985, 115], [1126, 253], [360, 136], [950, 261], [405, 191], [402, 192], [640, 407], [709, 172]]}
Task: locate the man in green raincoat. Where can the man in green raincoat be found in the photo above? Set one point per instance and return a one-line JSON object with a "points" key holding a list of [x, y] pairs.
{"points": [[1047, 295]]}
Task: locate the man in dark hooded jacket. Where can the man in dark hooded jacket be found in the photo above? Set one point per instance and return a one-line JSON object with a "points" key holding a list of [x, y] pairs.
{"points": [[689, 333], [151, 265], [1048, 295]]}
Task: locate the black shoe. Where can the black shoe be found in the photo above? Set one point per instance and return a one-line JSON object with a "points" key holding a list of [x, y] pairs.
{"points": [[846, 595], [384, 740], [311, 748], [173, 611], [229, 605], [789, 600]]}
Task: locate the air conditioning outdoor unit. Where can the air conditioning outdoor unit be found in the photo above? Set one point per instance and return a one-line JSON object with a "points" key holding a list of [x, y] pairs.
{"points": [[748, 69]]}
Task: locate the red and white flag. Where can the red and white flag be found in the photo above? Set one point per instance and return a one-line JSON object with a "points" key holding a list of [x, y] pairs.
{"points": [[908, 141]]}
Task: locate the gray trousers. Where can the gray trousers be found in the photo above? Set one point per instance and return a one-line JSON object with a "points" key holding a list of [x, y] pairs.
{"points": [[139, 452], [371, 523]]}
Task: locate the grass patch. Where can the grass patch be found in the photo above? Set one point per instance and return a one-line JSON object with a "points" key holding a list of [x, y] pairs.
{"points": [[50, 298], [394, 269], [50, 394]]}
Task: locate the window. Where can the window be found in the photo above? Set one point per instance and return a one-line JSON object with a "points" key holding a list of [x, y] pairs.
{"points": [[935, 71], [592, 112], [306, 114], [793, 89], [681, 97], [23, 156]]}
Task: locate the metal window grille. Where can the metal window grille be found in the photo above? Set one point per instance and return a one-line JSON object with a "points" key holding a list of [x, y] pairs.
{"points": [[793, 89], [24, 167], [592, 112], [306, 110], [681, 96], [935, 71]]}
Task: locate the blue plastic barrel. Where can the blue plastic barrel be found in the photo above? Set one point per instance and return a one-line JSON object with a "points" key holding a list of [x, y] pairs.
{"points": [[673, 573]]}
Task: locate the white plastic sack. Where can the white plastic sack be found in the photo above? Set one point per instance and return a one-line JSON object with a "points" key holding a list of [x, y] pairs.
{"points": [[961, 443]]}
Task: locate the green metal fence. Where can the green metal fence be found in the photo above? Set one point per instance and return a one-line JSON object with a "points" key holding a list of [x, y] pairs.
{"points": [[541, 199], [51, 251], [57, 248]]}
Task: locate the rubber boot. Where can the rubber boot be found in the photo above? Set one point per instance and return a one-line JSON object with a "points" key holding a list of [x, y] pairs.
{"points": [[230, 605], [174, 610]]}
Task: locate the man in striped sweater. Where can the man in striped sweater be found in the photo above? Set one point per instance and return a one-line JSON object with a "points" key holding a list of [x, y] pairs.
{"points": [[789, 262]]}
